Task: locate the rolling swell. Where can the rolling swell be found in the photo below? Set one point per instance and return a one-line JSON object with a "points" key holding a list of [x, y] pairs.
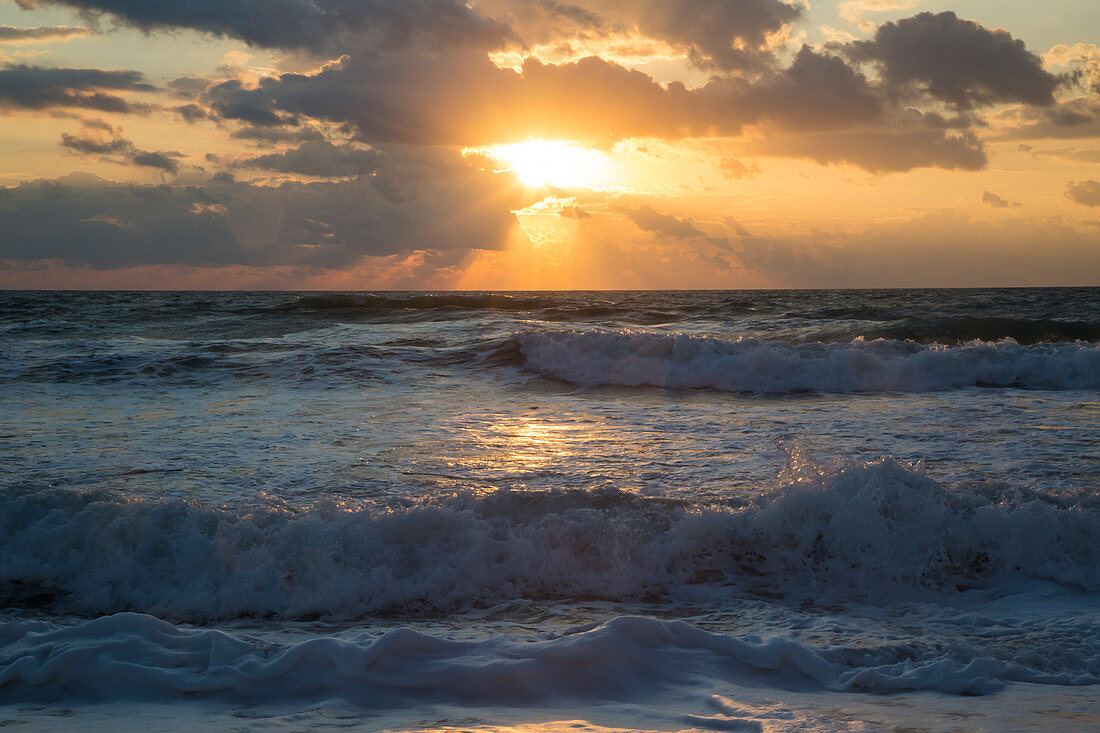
{"points": [[680, 361], [845, 531], [961, 329]]}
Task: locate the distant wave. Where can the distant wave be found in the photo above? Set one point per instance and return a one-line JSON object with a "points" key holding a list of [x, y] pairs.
{"points": [[961, 329], [850, 530], [629, 358], [635, 308], [457, 301]]}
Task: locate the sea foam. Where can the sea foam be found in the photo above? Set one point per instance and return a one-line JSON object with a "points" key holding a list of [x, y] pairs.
{"points": [[846, 531], [138, 657], [632, 358]]}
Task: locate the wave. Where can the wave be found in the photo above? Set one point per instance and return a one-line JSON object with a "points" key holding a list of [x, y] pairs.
{"points": [[200, 364], [455, 301], [299, 359], [961, 329], [638, 308], [138, 657], [849, 530], [629, 358]]}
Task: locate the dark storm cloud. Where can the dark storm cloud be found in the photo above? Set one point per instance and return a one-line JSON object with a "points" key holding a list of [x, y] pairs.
{"points": [[1086, 193], [318, 158], [988, 197], [37, 87], [957, 61], [312, 24], [649, 219], [417, 200], [9, 34]]}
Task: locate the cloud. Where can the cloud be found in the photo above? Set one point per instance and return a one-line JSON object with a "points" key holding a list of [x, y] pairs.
{"points": [[736, 227], [1037, 252], [1085, 155], [189, 87], [462, 98], [1086, 193], [37, 87], [100, 138], [311, 24], [816, 92], [90, 146], [957, 61], [881, 150], [418, 200], [317, 158], [649, 219], [988, 197], [267, 136], [1077, 118], [854, 10], [735, 169], [164, 161], [574, 212], [44, 34], [718, 34], [191, 112]]}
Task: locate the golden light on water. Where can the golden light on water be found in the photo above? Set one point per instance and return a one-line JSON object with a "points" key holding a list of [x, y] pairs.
{"points": [[554, 163]]}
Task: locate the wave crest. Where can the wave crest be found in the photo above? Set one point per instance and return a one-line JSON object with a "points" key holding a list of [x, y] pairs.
{"points": [[679, 361], [850, 530]]}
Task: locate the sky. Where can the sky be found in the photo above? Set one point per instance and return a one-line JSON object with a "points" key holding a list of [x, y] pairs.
{"points": [[548, 144]]}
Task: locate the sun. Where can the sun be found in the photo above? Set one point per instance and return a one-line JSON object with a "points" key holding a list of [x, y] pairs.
{"points": [[555, 163]]}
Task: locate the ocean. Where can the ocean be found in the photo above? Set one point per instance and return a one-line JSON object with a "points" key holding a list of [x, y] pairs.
{"points": [[741, 510]]}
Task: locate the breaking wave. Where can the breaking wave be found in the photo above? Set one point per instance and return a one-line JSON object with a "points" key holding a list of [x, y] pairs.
{"points": [[846, 530], [630, 358]]}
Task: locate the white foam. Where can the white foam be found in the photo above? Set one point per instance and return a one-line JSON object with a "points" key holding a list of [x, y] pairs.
{"points": [[138, 657], [633, 358], [846, 531]]}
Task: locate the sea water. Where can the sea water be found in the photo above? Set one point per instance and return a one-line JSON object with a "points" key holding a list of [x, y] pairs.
{"points": [[755, 510]]}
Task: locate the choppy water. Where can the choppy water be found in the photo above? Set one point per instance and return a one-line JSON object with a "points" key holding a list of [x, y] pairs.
{"points": [[485, 502]]}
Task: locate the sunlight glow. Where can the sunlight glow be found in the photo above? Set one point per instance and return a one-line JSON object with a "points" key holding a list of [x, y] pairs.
{"points": [[554, 163]]}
